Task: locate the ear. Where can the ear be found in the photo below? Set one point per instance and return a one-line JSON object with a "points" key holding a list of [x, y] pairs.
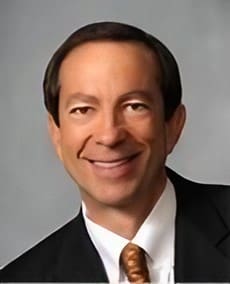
{"points": [[174, 127], [55, 135]]}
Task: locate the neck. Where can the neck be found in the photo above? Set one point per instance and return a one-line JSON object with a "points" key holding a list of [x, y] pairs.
{"points": [[124, 220]]}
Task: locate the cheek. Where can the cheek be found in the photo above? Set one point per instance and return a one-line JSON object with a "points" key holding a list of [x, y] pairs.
{"points": [[147, 131], [71, 140]]}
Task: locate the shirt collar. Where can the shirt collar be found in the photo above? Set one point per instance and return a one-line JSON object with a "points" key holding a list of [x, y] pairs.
{"points": [[155, 236], [108, 244]]}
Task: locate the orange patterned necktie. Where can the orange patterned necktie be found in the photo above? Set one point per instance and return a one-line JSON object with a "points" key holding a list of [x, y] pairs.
{"points": [[134, 264]]}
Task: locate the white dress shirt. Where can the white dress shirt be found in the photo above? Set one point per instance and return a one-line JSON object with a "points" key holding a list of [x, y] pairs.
{"points": [[156, 236]]}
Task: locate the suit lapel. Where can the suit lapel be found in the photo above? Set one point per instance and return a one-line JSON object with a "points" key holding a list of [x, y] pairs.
{"points": [[201, 236], [79, 261]]}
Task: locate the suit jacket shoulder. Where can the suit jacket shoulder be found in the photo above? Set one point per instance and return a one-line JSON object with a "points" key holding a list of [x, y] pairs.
{"points": [[215, 195], [67, 255], [202, 241]]}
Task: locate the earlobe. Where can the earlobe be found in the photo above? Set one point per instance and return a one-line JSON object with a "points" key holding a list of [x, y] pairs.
{"points": [[174, 127], [54, 132]]}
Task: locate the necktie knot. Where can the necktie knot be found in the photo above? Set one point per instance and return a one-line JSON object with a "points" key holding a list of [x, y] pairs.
{"points": [[134, 264]]}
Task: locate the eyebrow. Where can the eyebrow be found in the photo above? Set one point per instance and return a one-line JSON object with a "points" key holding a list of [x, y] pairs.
{"points": [[82, 97], [87, 98], [149, 96]]}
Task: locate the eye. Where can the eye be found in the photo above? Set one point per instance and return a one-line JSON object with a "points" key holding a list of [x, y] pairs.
{"points": [[80, 110], [136, 107]]}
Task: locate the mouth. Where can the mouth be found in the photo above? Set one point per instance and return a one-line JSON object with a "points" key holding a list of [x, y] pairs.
{"points": [[113, 163]]}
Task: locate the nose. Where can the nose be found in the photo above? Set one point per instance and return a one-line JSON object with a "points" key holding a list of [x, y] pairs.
{"points": [[110, 131]]}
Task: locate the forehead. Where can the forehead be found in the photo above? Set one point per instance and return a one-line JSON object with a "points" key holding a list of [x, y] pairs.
{"points": [[99, 51], [109, 67]]}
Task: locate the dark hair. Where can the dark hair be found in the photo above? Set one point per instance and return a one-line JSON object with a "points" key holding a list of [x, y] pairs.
{"points": [[112, 31]]}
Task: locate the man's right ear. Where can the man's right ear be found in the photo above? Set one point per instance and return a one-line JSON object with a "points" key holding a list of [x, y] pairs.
{"points": [[55, 135]]}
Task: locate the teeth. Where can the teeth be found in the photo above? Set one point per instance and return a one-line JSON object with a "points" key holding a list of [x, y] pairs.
{"points": [[109, 165]]}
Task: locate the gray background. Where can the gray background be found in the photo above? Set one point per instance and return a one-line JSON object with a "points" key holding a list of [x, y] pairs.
{"points": [[36, 194]]}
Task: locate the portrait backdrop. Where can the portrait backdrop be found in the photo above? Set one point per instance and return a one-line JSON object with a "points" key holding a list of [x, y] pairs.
{"points": [[36, 195]]}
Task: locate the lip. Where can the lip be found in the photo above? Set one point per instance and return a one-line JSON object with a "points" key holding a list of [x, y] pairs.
{"points": [[114, 168]]}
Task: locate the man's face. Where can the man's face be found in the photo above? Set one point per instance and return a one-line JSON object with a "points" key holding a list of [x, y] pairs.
{"points": [[113, 139]]}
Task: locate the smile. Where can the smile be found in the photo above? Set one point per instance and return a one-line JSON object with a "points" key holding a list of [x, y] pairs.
{"points": [[112, 164], [114, 168]]}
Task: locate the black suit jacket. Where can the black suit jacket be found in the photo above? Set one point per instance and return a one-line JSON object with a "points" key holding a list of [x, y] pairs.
{"points": [[202, 246]]}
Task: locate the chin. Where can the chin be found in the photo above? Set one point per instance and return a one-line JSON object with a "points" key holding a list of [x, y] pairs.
{"points": [[111, 196]]}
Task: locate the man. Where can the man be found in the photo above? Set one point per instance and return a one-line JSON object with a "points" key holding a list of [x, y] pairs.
{"points": [[113, 96]]}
